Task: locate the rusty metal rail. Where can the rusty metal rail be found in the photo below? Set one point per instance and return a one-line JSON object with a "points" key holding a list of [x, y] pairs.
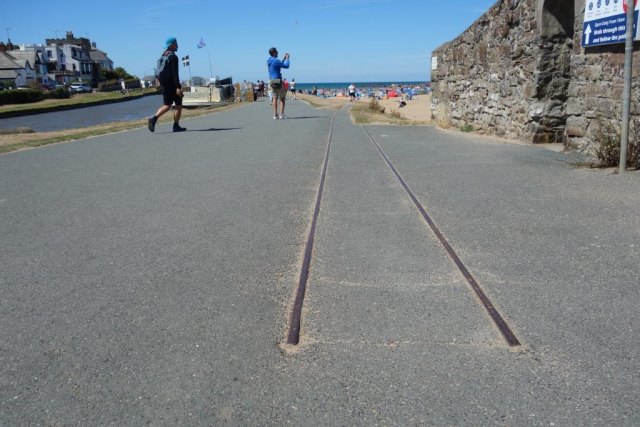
{"points": [[486, 302]]}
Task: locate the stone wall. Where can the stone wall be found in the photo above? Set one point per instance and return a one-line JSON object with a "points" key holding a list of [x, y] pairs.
{"points": [[484, 77], [520, 72], [596, 87]]}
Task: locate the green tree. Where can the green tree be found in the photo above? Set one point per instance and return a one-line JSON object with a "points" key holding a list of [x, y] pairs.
{"points": [[107, 74], [122, 73]]}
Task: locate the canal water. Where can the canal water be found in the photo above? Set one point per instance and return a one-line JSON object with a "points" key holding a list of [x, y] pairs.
{"points": [[89, 116]]}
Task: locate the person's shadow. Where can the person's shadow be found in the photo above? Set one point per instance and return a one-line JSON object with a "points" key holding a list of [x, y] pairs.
{"points": [[305, 117], [212, 129], [202, 130]]}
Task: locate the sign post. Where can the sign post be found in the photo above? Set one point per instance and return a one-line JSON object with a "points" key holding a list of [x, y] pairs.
{"points": [[608, 22], [626, 97]]}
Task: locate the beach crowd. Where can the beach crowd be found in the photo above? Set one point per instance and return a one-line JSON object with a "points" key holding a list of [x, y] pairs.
{"points": [[383, 92]]}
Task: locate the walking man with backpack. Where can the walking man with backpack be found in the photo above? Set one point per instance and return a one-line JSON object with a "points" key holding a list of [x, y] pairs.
{"points": [[167, 74]]}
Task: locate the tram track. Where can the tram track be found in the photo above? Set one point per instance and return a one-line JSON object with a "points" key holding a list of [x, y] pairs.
{"points": [[296, 314], [293, 336], [493, 312]]}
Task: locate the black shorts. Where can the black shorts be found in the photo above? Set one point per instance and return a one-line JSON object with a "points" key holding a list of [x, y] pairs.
{"points": [[293, 90], [352, 94], [169, 96]]}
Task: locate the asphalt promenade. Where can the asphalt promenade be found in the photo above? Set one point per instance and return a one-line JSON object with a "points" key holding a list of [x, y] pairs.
{"points": [[147, 279]]}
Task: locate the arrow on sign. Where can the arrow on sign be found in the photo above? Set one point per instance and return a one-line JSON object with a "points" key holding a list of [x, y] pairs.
{"points": [[587, 34]]}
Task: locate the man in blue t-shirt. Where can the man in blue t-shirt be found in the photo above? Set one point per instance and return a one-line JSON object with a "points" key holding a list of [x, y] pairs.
{"points": [[276, 86]]}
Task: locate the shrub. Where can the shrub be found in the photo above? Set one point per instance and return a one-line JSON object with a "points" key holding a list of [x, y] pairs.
{"points": [[7, 84], [25, 96], [110, 86], [59, 93], [132, 83], [607, 137], [466, 128], [374, 105], [396, 114], [633, 151]]}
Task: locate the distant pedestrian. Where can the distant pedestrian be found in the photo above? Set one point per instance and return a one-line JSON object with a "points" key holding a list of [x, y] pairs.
{"points": [[292, 86], [276, 86], [171, 87], [352, 92], [263, 88]]}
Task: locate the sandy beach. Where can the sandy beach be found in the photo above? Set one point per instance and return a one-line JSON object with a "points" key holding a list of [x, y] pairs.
{"points": [[417, 109]]}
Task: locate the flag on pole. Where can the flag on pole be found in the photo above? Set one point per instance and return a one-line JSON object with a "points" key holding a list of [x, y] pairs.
{"points": [[201, 44]]}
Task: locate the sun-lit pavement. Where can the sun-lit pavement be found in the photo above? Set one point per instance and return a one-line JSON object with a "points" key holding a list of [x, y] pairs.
{"points": [[148, 278]]}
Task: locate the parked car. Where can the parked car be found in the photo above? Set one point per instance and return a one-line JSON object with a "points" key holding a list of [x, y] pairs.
{"points": [[80, 88]]}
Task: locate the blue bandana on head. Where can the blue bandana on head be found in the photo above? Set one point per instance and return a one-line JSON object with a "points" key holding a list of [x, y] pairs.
{"points": [[169, 42]]}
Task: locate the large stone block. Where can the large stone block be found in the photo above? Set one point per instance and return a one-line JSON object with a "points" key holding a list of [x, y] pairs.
{"points": [[576, 126], [602, 107], [575, 107], [536, 110], [576, 89], [597, 89]]}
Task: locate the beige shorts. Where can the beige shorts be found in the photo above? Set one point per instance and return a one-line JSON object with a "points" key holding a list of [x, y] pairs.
{"points": [[280, 93]]}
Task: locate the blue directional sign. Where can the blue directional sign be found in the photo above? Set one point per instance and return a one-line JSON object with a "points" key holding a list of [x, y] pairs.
{"points": [[605, 22]]}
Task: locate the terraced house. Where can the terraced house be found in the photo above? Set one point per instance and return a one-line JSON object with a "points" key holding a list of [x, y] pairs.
{"points": [[59, 60], [20, 67]]}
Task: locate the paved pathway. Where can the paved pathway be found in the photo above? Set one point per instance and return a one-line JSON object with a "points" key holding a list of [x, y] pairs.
{"points": [[146, 279]]}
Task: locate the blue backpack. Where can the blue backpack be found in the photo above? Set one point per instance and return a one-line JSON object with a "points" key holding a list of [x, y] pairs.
{"points": [[163, 69]]}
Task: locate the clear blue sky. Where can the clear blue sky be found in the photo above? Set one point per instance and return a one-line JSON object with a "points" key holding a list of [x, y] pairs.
{"points": [[329, 40]]}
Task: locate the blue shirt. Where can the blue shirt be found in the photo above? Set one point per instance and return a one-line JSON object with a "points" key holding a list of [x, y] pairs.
{"points": [[274, 67]]}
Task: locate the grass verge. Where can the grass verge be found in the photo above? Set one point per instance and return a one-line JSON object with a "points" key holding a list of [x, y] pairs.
{"points": [[322, 103], [362, 115], [15, 142]]}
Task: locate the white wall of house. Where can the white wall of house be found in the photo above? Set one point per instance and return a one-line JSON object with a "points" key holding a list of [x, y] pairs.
{"points": [[77, 61], [71, 58], [26, 75], [55, 54], [41, 68]]}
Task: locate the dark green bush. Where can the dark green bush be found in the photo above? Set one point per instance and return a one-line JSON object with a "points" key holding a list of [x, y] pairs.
{"points": [[110, 86], [59, 93], [25, 96], [132, 83]]}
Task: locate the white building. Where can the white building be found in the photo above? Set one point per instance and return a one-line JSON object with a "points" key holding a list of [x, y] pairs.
{"points": [[34, 60], [69, 62]]}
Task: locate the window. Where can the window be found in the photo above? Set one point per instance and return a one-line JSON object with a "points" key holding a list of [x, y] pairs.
{"points": [[74, 67], [49, 53]]}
